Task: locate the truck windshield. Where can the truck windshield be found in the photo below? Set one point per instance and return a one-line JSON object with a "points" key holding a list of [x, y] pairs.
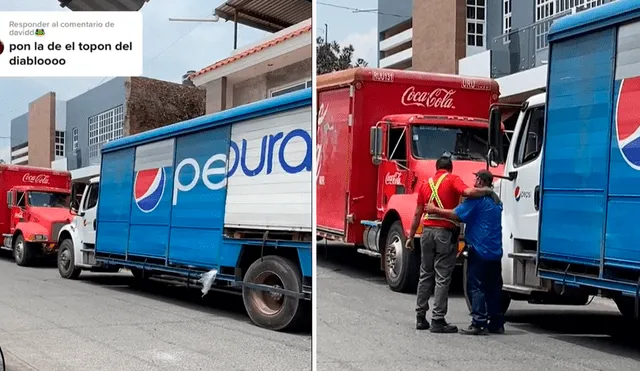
{"points": [[430, 142], [48, 199]]}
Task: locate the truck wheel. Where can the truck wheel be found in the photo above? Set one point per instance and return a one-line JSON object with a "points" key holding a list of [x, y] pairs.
{"points": [[270, 310], [22, 252], [66, 261], [626, 306], [506, 298], [401, 266]]}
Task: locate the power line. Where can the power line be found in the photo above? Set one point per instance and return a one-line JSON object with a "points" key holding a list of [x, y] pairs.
{"points": [[357, 10]]}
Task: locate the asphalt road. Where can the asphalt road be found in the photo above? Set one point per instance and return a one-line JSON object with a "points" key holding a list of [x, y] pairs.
{"points": [[109, 322], [362, 325]]}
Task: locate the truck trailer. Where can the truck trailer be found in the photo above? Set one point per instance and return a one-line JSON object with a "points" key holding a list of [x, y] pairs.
{"points": [[380, 133], [571, 184], [222, 202], [36, 207]]}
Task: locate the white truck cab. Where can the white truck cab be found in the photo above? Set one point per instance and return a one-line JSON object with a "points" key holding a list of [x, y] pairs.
{"points": [[519, 191], [77, 239]]}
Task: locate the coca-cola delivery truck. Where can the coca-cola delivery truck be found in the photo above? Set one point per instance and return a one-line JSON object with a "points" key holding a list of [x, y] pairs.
{"points": [[379, 135], [36, 207]]}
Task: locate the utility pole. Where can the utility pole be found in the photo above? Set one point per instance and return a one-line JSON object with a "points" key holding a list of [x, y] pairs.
{"points": [[326, 33]]}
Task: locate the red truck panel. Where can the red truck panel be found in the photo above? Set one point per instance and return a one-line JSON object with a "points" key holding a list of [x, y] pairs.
{"points": [[27, 177], [334, 153]]}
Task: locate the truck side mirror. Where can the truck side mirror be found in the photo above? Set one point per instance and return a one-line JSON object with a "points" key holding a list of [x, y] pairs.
{"points": [[494, 138], [375, 144], [9, 199]]}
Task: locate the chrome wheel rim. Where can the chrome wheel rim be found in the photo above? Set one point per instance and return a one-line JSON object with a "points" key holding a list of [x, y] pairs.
{"points": [[393, 256], [19, 250]]}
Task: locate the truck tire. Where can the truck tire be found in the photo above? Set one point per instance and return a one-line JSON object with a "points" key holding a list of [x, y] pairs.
{"points": [[401, 266], [66, 261], [274, 311], [22, 251], [506, 298], [626, 306]]}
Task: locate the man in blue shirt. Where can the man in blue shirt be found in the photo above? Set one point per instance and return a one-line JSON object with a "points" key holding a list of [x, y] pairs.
{"points": [[483, 236]]}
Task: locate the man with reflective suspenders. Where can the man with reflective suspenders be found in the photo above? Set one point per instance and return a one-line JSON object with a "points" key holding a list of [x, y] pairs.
{"points": [[438, 243]]}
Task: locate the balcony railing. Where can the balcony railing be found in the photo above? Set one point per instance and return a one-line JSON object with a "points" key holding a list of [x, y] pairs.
{"points": [[522, 49]]}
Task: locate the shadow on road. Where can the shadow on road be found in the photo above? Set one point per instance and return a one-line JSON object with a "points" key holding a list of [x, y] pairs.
{"points": [[220, 304], [346, 261], [588, 327]]}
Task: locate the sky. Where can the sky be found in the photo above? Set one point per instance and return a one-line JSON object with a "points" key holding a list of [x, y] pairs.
{"points": [[348, 27], [170, 49]]}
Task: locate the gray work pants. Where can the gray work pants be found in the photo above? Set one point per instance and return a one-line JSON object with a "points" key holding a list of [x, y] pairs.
{"points": [[436, 268]]}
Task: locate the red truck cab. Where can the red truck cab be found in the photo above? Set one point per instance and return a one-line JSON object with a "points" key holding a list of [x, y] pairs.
{"points": [[380, 133], [36, 207]]}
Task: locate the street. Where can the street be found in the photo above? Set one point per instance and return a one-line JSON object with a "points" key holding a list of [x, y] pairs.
{"points": [[110, 322], [362, 325]]}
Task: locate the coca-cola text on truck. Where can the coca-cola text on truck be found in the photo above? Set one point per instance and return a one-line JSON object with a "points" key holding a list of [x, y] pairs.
{"points": [[379, 135], [35, 206]]}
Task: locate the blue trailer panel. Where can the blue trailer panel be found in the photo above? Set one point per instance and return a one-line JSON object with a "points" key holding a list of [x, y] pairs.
{"points": [[590, 181]]}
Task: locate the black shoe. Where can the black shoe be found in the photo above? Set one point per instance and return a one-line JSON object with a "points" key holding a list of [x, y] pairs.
{"points": [[440, 326], [474, 330], [422, 323], [499, 330]]}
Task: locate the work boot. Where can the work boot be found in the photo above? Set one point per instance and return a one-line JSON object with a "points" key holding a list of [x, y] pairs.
{"points": [[497, 330], [440, 326], [474, 330], [422, 323]]}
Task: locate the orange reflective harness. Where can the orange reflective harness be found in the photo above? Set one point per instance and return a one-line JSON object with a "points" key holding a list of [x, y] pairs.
{"points": [[434, 197]]}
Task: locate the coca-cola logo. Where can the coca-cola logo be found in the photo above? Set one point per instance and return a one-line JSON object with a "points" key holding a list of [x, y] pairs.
{"points": [[35, 179], [437, 98], [393, 179]]}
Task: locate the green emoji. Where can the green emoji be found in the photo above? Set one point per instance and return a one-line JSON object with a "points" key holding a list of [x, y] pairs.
{"points": [[39, 32]]}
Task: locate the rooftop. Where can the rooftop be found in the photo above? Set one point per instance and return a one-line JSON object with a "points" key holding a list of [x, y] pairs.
{"points": [[102, 5], [253, 50], [266, 15]]}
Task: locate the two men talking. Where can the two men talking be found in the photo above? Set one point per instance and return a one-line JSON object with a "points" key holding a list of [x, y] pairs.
{"points": [[439, 202]]}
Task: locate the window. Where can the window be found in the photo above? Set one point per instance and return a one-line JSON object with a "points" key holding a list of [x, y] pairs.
{"points": [[475, 23], [290, 88], [74, 135], [429, 142], [104, 127], [529, 142], [92, 197], [397, 145], [506, 21], [550, 9], [21, 201], [59, 143]]}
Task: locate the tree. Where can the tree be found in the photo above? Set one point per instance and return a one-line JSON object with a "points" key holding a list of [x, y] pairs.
{"points": [[331, 57]]}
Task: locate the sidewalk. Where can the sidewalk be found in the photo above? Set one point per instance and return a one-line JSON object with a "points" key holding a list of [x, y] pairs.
{"points": [[12, 363]]}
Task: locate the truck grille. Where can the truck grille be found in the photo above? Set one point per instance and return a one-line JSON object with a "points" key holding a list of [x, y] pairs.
{"points": [[56, 229]]}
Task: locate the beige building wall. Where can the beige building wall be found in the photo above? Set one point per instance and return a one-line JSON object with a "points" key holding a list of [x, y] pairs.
{"points": [[254, 89], [440, 35], [42, 130]]}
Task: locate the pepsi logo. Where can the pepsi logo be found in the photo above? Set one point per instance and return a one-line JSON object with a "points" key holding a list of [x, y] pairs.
{"points": [[148, 188], [628, 121], [516, 193]]}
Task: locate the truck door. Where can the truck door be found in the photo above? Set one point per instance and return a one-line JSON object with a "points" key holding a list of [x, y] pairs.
{"points": [[393, 171], [88, 208], [18, 209], [521, 196]]}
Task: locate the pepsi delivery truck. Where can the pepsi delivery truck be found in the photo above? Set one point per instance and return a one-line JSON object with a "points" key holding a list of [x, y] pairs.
{"points": [[221, 202], [588, 193]]}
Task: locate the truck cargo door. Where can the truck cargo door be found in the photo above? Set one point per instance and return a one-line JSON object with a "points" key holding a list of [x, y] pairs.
{"points": [[333, 154]]}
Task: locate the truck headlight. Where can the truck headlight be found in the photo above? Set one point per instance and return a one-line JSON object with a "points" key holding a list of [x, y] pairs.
{"points": [[40, 237]]}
